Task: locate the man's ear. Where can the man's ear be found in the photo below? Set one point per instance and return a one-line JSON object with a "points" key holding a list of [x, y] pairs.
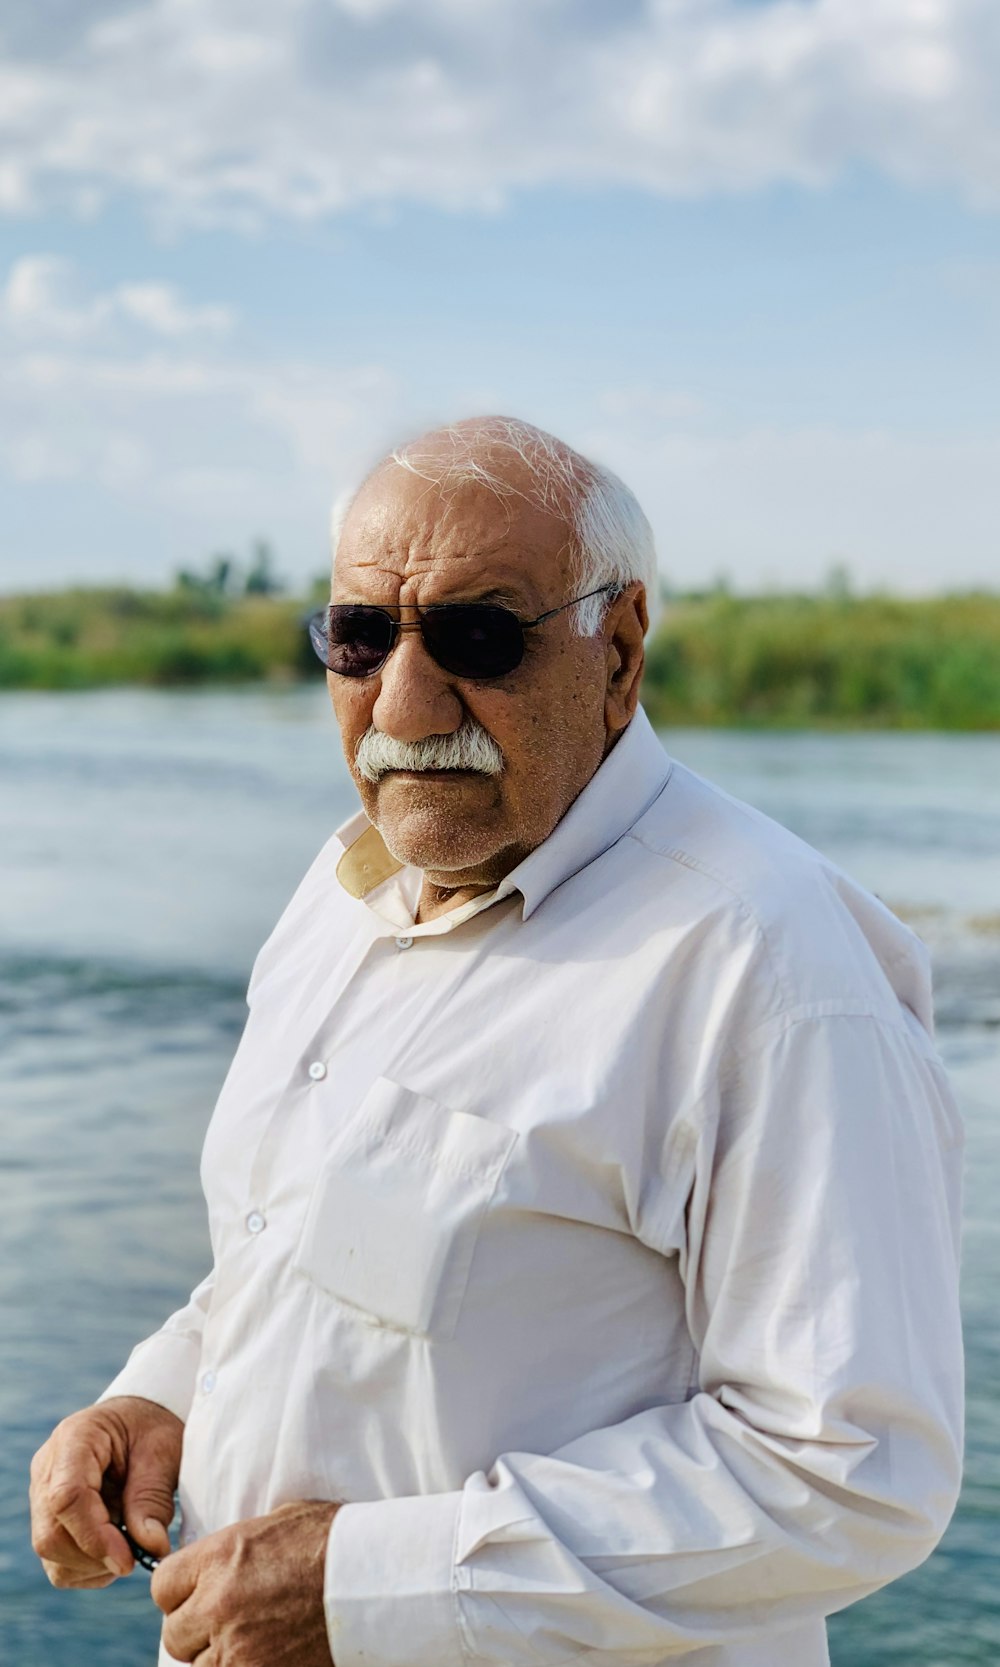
{"points": [[625, 625]]}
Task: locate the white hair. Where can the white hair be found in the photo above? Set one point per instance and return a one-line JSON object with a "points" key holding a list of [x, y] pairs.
{"points": [[612, 539], [469, 747]]}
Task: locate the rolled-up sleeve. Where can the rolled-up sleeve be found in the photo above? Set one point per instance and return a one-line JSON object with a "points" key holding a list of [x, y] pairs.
{"points": [[818, 1455]]}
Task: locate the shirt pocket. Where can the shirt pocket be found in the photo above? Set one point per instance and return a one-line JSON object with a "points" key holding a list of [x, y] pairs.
{"points": [[393, 1218]]}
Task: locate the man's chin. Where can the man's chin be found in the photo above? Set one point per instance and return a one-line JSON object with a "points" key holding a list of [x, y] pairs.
{"points": [[441, 820]]}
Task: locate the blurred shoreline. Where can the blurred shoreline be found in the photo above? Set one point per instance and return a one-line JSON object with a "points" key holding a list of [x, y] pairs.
{"points": [[833, 661]]}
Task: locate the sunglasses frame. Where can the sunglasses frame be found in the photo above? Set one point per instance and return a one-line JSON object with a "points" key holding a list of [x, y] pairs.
{"points": [[316, 628]]}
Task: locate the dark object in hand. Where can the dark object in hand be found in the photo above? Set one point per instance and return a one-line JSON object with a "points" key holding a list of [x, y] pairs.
{"points": [[144, 1558]]}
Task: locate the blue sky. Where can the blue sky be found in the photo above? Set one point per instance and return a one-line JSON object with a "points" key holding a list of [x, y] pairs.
{"points": [[747, 254]]}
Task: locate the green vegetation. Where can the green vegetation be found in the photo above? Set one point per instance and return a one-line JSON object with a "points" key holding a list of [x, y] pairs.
{"points": [[230, 623], [834, 660], [80, 639]]}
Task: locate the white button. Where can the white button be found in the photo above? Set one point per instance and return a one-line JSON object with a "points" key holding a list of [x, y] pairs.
{"points": [[207, 1382], [255, 1222], [317, 1070], [404, 943]]}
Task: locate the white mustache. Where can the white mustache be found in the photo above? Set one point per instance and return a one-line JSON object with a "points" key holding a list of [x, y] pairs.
{"points": [[470, 747]]}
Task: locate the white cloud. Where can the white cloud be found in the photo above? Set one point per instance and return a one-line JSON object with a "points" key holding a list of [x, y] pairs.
{"points": [[160, 309], [42, 298], [234, 110], [66, 412], [38, 299], [136, 396]]}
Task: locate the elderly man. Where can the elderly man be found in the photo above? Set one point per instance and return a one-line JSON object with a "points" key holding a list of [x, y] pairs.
{"points": [[584, 1190]]}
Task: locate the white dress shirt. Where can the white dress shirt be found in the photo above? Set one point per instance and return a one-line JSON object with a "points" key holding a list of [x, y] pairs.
{"points": [[597, 1243]]}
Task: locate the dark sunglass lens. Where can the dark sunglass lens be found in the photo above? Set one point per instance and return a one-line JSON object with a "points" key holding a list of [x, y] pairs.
{"points": [[474, 641], [352, 641]]}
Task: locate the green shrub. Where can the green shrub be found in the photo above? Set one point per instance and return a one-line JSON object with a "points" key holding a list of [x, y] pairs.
{"points": [[834, 660]]}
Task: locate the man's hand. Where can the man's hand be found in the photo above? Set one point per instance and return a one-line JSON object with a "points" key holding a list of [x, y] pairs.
{"points": [[117, 1461], [250, 1595]]}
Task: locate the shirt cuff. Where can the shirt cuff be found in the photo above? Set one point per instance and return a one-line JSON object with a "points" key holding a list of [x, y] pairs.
{"points": [[164, 1369], [390, 1584]]}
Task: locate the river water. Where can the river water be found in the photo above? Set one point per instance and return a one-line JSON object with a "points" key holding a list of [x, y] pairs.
{"points": [[148, 841]]}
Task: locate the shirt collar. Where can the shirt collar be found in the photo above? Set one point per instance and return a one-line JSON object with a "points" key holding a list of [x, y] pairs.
{"points": [[624, 786], [634, 774]]}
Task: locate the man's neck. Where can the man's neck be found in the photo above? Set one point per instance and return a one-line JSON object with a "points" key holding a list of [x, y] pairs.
{"points": [[438, 900]]}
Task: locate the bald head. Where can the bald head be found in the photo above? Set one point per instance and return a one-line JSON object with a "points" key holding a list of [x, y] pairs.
{"points": [[608, 538]]}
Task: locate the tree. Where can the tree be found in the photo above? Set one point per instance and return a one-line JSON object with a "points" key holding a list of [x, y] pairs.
{"points": [[838, 583], [219, 579], [261, 579]]}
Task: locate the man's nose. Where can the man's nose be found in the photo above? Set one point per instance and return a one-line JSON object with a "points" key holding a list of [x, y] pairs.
{"points": [[416, 696]]}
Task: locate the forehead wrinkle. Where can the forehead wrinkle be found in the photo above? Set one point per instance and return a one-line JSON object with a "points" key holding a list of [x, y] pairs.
{"points": [[456, 584], [410, 518], [406, 563], [375, 547], [420, 544]]}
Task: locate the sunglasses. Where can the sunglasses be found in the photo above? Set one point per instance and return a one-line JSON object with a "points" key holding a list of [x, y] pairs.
{"points": [[469, 639]]}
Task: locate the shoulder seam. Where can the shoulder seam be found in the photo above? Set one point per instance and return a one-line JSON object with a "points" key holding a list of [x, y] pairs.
{"points": [[678, 855], [771, 1031]]}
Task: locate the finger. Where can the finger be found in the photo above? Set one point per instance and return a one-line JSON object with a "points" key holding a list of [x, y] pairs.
{"points": [[67, 1578], [148, 1502], [75, 1503], [186, 1633], [175, 1579], [53, 1545]]}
